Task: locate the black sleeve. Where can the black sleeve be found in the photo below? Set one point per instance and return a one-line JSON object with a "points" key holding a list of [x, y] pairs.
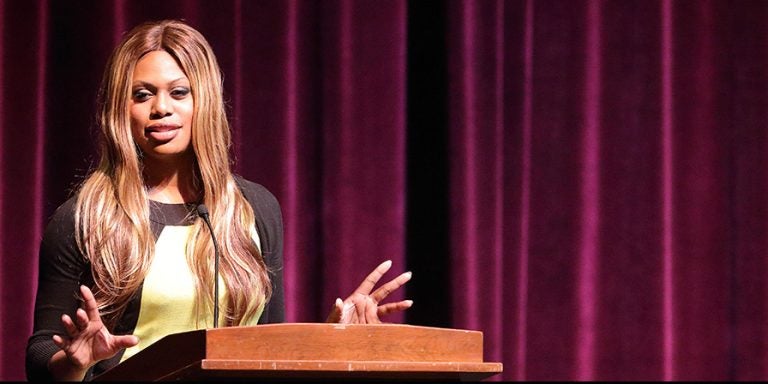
{"points": [[269, 225], [60, 271]]}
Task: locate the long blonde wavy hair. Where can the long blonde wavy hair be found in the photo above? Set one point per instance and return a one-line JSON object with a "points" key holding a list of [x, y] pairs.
{"points": [[112, 211]]}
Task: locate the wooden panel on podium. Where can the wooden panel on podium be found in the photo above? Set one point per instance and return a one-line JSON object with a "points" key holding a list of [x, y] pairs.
{"points": [[312, 351]]}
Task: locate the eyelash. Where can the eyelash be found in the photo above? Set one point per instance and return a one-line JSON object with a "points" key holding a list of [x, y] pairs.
{"points": [[180, 92], [141, 94], [177, 93]]}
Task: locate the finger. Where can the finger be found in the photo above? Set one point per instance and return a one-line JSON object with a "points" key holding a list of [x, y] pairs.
{"points": [[380, 294], [335, 315], [89, 303], [389, 308], [126, 341], [371, 312], [81, 319], [348, 311], [59, 341], [360, 310], [370, 281], [69, 325]]}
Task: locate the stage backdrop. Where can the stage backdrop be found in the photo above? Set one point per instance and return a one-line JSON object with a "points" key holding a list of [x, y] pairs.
{"points": [[583, 181]]}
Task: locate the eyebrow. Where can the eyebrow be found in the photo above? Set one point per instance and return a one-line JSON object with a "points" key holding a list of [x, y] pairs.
{"points": [[150, 85]]}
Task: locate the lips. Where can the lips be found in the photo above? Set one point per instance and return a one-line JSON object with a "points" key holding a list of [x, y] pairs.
{"points": [[162, 132]]}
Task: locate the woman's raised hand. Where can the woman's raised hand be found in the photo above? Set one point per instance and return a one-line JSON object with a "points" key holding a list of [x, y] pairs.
{"points": [[88, 340], [363, 307]]}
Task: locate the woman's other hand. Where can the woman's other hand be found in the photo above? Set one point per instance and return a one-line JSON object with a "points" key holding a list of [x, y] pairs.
{"points": [[88, 341], [364, 307]]}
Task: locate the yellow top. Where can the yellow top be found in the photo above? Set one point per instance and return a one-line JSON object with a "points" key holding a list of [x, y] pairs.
{"points": [[168, 294]]}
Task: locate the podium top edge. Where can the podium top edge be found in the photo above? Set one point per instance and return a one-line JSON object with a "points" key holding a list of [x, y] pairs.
{"points": [[345, 326]]}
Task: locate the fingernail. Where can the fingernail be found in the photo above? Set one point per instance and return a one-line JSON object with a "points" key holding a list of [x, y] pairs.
{"points": [[409, 274], [388, 263], [409, 302]]}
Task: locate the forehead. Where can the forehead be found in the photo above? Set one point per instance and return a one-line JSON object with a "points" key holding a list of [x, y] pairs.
{"points": [[158, 66]]}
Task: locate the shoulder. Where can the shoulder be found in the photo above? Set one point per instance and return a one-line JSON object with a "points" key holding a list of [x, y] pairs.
{"points": [[259, 197], [266, 209], [58, 248], [61, 225]]}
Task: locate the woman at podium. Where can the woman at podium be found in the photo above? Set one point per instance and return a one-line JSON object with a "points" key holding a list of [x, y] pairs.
{"points": [[132, 256]]}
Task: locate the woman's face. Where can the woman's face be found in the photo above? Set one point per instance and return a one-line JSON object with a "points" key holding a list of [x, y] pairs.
{"points": [[161, 107]]}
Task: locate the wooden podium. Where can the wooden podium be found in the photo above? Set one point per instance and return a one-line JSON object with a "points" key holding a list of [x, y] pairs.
{"points": [[299, 351]]}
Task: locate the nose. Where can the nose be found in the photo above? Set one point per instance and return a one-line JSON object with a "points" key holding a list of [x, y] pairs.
{"points": [[162, 105]]}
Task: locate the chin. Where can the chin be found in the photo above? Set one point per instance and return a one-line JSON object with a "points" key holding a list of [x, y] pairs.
{"points": [[165, 152]]}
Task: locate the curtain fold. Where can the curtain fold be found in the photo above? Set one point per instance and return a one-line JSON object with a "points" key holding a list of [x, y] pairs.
{"points": [[701, 188], [22, 171], [583, 181], [477, 156], [589, 190], [742, 113]]}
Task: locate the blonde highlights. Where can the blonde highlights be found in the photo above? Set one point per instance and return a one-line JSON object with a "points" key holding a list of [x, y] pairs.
{"points": [[112, 211]]}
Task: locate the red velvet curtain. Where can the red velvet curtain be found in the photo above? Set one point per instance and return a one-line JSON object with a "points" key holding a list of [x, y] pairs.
{"points": [[583, 181]]}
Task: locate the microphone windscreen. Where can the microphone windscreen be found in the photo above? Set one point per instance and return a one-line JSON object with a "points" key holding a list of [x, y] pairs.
{"points": [[202, 210]]}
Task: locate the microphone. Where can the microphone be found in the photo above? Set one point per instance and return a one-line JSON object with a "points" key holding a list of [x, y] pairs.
{"points": [[202, 211]]}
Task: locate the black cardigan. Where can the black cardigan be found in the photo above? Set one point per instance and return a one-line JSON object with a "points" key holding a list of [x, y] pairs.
{"points": [[63, 268]]}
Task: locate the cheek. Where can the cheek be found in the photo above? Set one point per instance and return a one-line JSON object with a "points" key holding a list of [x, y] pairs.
{"points": [[137, 124], [188, 111]]}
